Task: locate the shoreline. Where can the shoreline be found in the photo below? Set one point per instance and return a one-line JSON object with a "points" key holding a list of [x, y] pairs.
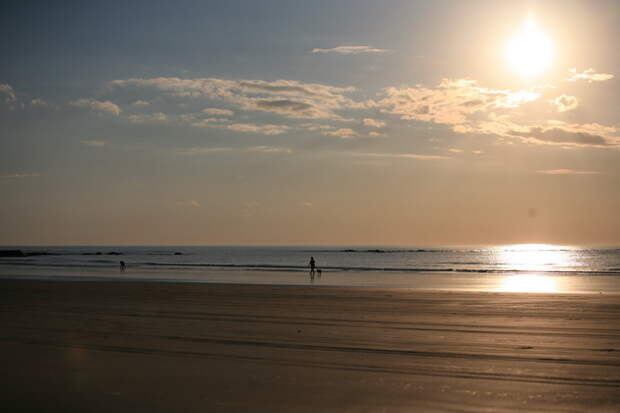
{"points": [[530, 282]]}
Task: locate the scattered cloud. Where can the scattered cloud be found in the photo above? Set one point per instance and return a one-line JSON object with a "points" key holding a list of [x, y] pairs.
{"points": [[205, 149], [288, 98], [350, 50], [189, 203], [343, 133], [564, 103], [17, 176], [140, 102], [373, 123], [451, 102], [567, 172], [95, 143], [255, 128], [270, 149], [157, 116], [98, 106], [313, 127], [218, 112], [477, 152], [455, 150], [7, 91], [401, 155], [374, 134], [589, 75], [38, 103], [563, 134]]}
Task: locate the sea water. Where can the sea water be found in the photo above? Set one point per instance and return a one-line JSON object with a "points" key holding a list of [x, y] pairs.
{"points": [[587, 269]]}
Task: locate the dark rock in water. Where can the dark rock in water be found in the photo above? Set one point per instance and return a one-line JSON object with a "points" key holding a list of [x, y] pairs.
{"points": [[349, 251], [115, 253], [178, 253], [98, 253], [377, 251], [12, 253]]}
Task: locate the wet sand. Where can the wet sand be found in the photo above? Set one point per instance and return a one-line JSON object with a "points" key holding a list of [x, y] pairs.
{"points": [[76, 346]]}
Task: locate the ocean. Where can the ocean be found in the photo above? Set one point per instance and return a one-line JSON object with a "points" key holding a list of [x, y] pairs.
{"points": [[372, 265]]}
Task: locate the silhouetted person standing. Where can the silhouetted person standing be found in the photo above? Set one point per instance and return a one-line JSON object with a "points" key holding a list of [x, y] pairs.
{"points": [[312, 265], [123, 266]]}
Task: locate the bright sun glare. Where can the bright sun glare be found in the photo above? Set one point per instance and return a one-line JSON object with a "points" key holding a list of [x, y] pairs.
{"points": [[530, 51]]}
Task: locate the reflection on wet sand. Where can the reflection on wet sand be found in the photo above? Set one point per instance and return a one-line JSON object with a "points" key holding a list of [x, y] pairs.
{"points": [[528, 283]]}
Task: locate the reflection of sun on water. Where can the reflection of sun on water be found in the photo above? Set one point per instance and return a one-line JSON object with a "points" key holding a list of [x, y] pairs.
{"points": [[532, 257]]}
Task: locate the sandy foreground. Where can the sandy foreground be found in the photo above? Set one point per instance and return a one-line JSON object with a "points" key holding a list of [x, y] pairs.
{"points": [[143, 347]]}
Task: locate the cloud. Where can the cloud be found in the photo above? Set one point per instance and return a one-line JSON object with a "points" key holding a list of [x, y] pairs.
{"points": [[93, 143], [270, 149], [284, 97], [567, 172], [451, 102], [562, 134], [255, 128], [189, 203], [17, 176], [205, 149], [564, 103], [455, 150], [140, 102], [157, 116], [7, 91], [589, 75], [343, 133], [374, 134], [313, 127], [99, 106], [218, 112], [402, 155], [350, 50], [38, 103], [373, 123]]}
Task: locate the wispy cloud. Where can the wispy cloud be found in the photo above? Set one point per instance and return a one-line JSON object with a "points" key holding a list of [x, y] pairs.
{"points": [[402, 155], [19, 175], [263, 148], [157, 116], [255, 128], [269, 149], [188, 203], [564, 103], [98, 106], [8, 92], [566, 172], [451, 102], [141, 102], [218, 112], [38, 103], [344, 133], [350, 50], [284, 97], [589, 75], [373, 123], [95, 143]]}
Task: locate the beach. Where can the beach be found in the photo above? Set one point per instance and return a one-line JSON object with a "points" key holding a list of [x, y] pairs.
{"points": [[162, 346]]}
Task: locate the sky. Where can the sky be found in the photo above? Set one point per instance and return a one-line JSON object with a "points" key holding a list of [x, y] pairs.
{"points": [[309, 123]]}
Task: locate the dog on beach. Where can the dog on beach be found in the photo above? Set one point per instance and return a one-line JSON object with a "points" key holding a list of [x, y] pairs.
{"points": [[319, 272]]}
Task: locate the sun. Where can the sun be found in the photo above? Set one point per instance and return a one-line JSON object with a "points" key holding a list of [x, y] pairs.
{"points": [[530, 51]]}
